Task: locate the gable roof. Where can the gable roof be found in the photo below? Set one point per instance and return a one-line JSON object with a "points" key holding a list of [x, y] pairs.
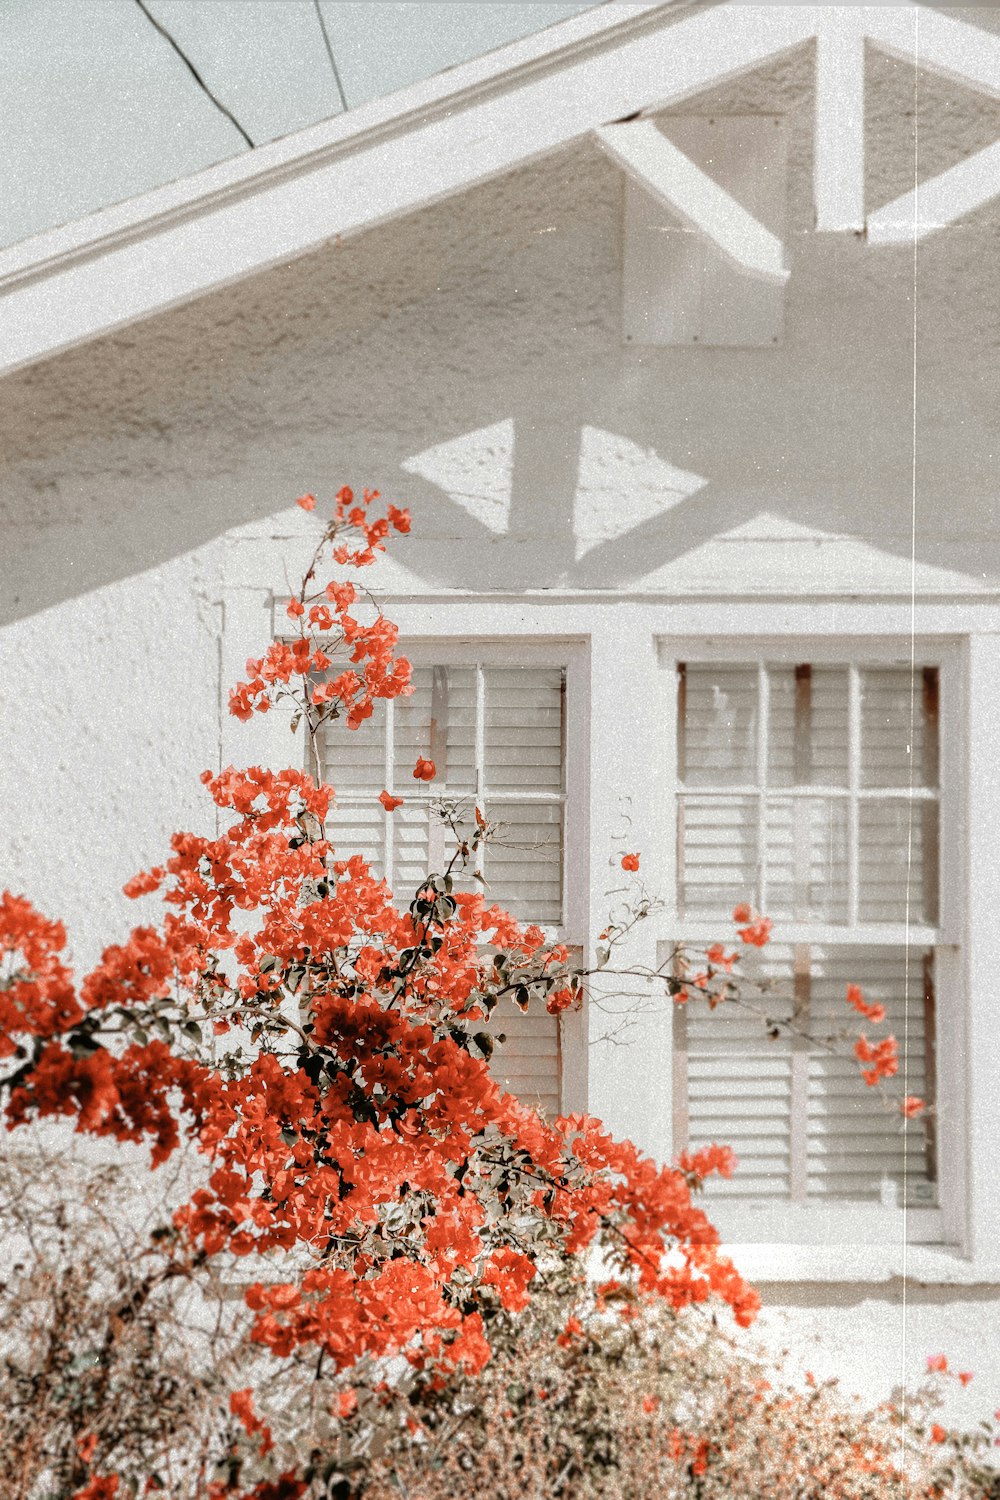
{"points": [[476, 121]]}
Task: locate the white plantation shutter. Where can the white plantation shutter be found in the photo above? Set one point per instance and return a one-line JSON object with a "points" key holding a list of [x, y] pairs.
{"points": [[497, 738], [811, 791]]}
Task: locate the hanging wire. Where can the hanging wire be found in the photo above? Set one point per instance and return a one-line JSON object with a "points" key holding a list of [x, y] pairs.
{"points": [[193, 71], [329, 53]]}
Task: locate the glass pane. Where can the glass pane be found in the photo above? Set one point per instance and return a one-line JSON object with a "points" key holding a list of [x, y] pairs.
{"points": [[718, 854], [807, 726], [718, 727], [897, 860], [527, 1062], [807, 859], [524, 729], [355, 757], [523, 863], [438, 722], [893, 699], [740, 1084], [423, 844], [360, 829], [858, 1148]]}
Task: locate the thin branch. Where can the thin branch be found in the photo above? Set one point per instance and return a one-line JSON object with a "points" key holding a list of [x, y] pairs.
{"points": [[329, 53], [193, 71]]}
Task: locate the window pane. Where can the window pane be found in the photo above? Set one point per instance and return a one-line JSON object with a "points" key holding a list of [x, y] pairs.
{"points": [[527, 1063], [359, 829], [891, 701], [523, 864], [778, 1101], [857, 1145], [807, 859], [718, 854], [897, 860], [524, 729], [718, 726], [423, 845], [740, 1086], [354, 757], [807, 726], [438, 721]]}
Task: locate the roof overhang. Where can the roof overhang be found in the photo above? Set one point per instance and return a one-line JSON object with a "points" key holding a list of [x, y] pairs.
{"points": [[467, 125]]}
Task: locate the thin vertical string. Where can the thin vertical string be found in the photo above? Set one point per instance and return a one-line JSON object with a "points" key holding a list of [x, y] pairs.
{"points": [[913, 705]]}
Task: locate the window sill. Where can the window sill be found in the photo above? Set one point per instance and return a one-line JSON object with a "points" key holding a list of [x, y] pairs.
{"points": [[873, 1264]]}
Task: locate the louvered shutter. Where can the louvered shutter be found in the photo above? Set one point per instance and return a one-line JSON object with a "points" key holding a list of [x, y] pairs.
{"points": [[810, 791], [497, 738]]}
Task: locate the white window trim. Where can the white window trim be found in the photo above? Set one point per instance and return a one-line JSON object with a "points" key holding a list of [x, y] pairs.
{"points": [[846, 1224]]}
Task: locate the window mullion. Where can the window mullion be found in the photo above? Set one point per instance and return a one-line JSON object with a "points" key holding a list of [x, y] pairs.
{"points": [[798, 1163], [480, 753], [388, 824], [763, 712], [853, 784]]}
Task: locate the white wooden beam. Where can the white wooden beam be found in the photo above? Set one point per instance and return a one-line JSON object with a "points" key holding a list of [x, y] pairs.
{"points": [[839, 143], [939, 201], [372, 165], [930, 39], [646, 154]]}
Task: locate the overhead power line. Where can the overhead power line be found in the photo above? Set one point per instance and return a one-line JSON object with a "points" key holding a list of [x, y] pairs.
{"points": [[329, 53], [194, 71]]}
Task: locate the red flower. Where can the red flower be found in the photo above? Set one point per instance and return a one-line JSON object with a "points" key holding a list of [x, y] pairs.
{"points": [[86, 1446], [98, 1489], [294, 609], [937, 1362], [854, 997], [964, 1376], [938, 1433], [630, 861], [912, 1105], [742, 913], [757, 934], [389, 802], [424, 770], [347, 1404], [306, 502]]}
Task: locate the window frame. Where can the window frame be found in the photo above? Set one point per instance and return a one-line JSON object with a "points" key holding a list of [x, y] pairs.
{"points": [[843, 1221]]}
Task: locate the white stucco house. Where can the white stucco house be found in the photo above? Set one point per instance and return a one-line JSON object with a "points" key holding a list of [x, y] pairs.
{"points": [[677, 326]]}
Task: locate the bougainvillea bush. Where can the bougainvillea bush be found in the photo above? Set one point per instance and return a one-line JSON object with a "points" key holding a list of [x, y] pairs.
{"points": [[323, 1049], [112, 1342]]}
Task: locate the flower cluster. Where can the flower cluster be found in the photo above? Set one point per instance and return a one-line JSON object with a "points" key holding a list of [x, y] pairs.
{"points": [[353, 1130]]}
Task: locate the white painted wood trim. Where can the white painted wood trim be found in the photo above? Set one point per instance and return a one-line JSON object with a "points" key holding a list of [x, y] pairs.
{"points": [[657, 165], [839, 142], [982, 961], [939, 201], [220, 227]]}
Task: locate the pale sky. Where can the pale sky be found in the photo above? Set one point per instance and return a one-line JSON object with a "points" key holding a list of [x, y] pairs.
{"points": [[96, 106]]}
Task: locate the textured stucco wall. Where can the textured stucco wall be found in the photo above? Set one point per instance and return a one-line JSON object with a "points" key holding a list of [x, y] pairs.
{"points": [[469, 360]]}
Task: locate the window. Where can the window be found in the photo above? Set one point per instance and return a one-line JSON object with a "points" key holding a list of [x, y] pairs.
{"points": [[812, 789], [497, 736]]}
